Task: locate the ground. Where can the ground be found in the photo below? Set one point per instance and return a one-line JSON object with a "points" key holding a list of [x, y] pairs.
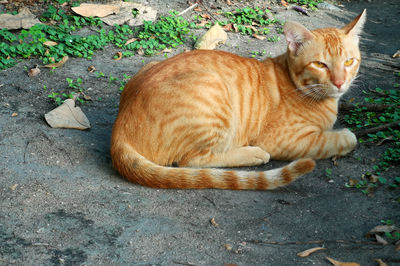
{"points": [[61, 202]]}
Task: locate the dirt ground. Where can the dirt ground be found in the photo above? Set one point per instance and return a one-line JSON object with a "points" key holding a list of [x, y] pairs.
{"points": [[61, 202]]}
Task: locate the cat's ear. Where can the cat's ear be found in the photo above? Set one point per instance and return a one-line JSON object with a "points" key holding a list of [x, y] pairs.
{"points": [[296, 34], [355, 27]]}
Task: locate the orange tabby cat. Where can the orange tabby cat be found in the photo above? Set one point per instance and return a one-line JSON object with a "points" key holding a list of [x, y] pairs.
{"points": [[205, 109]]}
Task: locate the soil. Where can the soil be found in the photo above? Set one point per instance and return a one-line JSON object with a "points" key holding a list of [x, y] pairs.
{"points": [[61, 202]]}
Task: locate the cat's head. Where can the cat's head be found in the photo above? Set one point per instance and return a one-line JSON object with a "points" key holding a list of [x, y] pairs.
{"points": [[323, 62]]}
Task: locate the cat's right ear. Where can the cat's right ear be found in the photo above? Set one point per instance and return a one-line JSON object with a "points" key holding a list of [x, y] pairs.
{"points": [[296, 34]]}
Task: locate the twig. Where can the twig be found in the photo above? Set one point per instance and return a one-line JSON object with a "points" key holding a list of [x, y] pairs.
{"points": [[338, 241], [363, 132], [184, 263], [188, 9], [26, 148], [371, 107]]}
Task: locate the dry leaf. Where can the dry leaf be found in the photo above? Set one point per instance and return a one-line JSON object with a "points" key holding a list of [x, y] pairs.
{"points": [[34, 71], [95, 10], [214, 36], [166, 50], [228, 2], [50, 43], [382, 229], [91, 69], [228, 247], [228, 27], [396, 54], [14, 187], [373, 178], [213, 222], [334, 160], [131, 41], [24, 19], [206, 16], [67, 116], [198, 9], [251, 27], [117, 56], [353, 182], [307, 252], [284, 3], [380, 262], [60, 63], [202, 23], [125, 16], [259, 37], [381, 240], [14, 114], [140, 51], [340, 263]]}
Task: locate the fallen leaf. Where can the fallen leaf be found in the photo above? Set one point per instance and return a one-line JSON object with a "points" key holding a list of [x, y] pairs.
{"points": [[228, 27], [284, 3], [228, 2], [14, 187], [340, 263], [24, 19], [95, 10], [14, 114], [91, 69], [131, 41], [34, 71], [198, 9], [308, 252], [117, 56], [396, 54], [202, 23], [59, 63], [140, 51], [67, 116], [353, 182], [206, 16], [252, 28], [383, 140], [166, 50], [228, 247], [373, 178], [352, 100], [380, 262], [214, 36], [213, 222], [334, 160], [86, 97], [383, 229], [259, 37], [50, 43], [145, 13], [381, 240]]}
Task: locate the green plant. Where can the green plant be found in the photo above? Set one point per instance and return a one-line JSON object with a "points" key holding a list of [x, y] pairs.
{"points": [[308, 3]]}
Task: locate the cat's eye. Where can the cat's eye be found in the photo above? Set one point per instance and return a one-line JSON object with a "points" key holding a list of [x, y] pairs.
{"points": [[349, 62], [319, 64]]}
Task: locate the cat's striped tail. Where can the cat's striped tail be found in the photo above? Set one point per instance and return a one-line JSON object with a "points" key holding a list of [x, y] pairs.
{"points": [[136, 168]]}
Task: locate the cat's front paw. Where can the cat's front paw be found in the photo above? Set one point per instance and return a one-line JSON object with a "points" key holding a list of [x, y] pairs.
{"points": [[348, 141]]}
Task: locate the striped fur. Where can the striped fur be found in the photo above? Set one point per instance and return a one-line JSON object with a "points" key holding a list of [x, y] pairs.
{"points": [[206, 109]]}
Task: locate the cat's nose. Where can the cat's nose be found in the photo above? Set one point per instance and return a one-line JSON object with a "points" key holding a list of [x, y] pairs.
{"points": [[338, 83]]}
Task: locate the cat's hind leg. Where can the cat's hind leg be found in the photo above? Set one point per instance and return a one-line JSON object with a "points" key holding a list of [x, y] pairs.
{"points": [[236, 157]]}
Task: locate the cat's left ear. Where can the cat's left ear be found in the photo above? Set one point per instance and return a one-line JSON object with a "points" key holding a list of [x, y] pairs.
{"points": [[355, 27]]}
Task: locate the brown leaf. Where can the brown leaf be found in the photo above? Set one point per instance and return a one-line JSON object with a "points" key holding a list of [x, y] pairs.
{"points": [[334, 160], [340, 263], [380, 262], [228, 2], [117, 56], [67, 116], [14, 114], [34, 71], [284, 3], [50, 43], [213, 222], [24, 19], [60, 63], [353, 182], [228, 247], [140, 51], [198, 9], [202, 23], [381, 240], [228, 27], [252, 28], [131, 41], [373, 178], [214, 36], [14, 187], [146, 13], [206, 16], [166, 50], [91, 69], [259, 37], [95, 10], [308, 252]]}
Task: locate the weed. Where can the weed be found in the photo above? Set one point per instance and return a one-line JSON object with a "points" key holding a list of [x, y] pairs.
{"points": [[309, 3]]}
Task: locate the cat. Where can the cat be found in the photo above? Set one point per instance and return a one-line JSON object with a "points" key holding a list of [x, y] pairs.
{"points": [[205, 109]]}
